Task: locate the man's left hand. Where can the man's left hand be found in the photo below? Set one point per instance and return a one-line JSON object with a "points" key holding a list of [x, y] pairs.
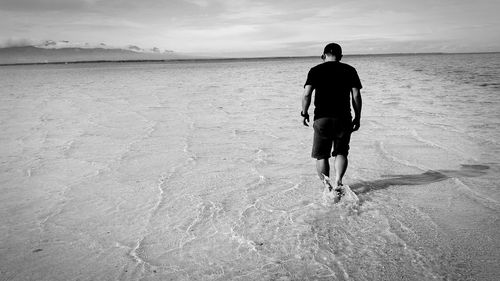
{"points": [[355, 124]]}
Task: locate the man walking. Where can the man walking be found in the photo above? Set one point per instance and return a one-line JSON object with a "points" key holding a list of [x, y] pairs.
{"points": [[335, 84]]}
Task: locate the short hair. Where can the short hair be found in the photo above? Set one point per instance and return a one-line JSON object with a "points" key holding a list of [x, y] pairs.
{"points": [[333, 49]]}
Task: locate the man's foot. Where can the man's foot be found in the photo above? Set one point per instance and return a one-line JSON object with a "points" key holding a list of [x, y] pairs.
{"points": [[329, 197], [327, 184], [339, 191], [339, 188]]}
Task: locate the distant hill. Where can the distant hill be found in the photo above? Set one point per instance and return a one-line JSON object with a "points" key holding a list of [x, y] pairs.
{"points": [[35, 54]]}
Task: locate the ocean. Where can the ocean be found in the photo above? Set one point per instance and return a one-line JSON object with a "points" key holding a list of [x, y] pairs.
{"points": [[201, 170]]}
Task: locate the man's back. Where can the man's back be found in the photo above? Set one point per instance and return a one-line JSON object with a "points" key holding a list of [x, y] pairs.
{"points": [[333, 82]]}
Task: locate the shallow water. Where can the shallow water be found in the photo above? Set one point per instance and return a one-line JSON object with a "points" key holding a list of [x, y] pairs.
{"points": [[201, 171]]}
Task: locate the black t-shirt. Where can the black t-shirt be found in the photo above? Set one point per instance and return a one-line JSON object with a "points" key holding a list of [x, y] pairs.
{"points": [[333, 82]]}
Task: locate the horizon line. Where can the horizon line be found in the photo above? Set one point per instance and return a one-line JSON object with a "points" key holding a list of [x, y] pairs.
{"points": [[239, 58]]}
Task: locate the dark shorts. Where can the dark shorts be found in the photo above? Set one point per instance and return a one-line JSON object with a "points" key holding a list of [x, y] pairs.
{"points": [[328, 132]]}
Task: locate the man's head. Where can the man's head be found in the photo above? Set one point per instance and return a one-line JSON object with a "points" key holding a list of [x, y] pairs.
{"points": [[332, 50]]}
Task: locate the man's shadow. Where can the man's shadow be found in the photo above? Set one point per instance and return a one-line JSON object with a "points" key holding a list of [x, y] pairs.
{"points": [[430, 176]]}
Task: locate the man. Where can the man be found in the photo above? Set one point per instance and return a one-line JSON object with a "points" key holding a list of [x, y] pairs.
{"points": [[335, 84]]}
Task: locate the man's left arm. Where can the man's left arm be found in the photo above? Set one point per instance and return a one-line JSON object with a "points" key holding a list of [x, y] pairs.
{"points": [[306, 102]]}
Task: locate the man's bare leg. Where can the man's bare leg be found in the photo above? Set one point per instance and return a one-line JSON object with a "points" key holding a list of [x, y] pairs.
{"points": [[323, 168], [340, 166]]}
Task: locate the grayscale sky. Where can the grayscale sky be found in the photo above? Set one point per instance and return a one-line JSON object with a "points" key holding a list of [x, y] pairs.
{"points": [[259, 28]]}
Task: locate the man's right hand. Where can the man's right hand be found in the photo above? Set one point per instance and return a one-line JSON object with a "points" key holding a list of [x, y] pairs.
{"points": [[306, 118], [355, 124]]}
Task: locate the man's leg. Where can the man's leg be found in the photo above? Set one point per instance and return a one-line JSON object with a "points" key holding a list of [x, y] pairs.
{"points": [[340, 168], [323, 168]]}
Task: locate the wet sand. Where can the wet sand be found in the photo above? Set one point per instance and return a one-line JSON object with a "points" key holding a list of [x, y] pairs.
{"points": [[202, 172]]}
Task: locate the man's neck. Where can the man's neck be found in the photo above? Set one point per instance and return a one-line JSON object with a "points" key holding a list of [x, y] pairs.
{"points": [[327, 59]]}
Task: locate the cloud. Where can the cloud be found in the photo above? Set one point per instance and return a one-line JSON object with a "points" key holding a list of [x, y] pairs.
{"points": [[201, 3], [44, 5], [17, 42], [211, 39], [109, 22]]}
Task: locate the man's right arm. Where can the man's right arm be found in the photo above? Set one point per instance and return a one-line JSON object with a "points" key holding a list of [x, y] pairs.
{"points": [[356, 104], [306, 102]]}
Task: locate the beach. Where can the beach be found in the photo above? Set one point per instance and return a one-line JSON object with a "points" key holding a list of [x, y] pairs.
{"points": [[201, 170]]}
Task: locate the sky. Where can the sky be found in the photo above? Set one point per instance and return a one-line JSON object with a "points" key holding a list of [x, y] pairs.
{"points": [[246, 28]]}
